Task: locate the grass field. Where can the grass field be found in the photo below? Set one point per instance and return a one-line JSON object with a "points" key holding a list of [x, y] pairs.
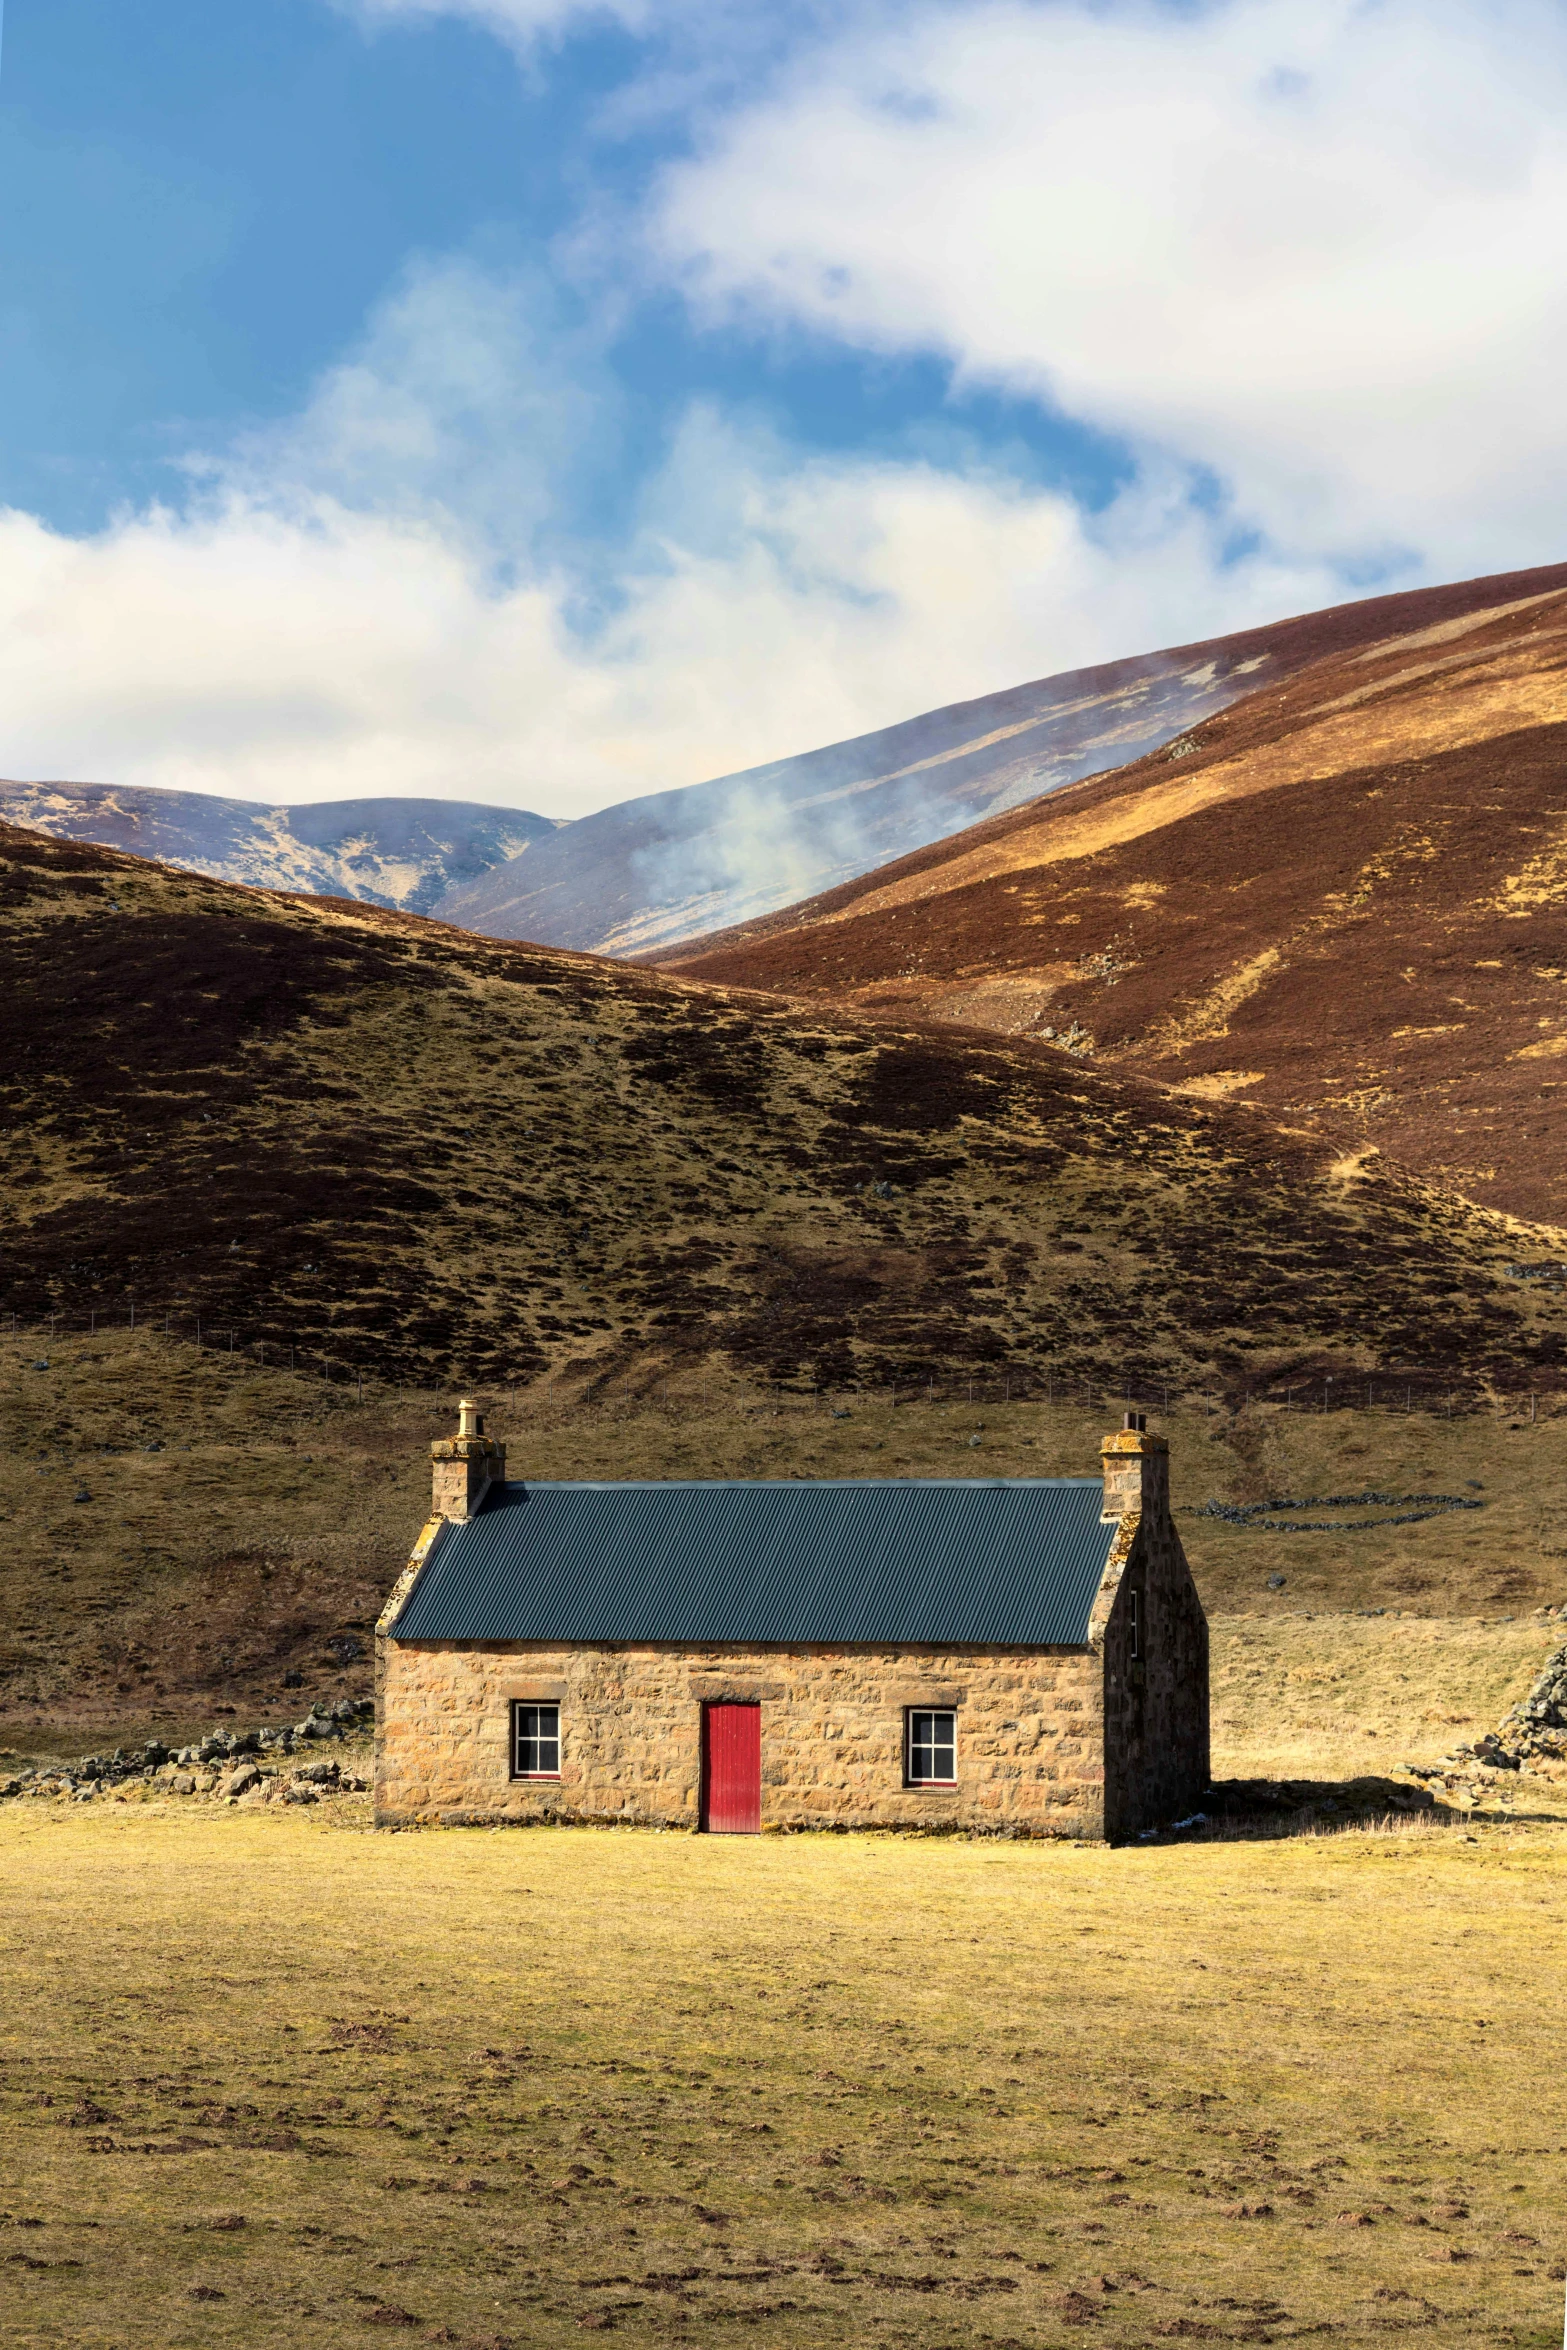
{"points": [[276, 2079], [276, 1512]]}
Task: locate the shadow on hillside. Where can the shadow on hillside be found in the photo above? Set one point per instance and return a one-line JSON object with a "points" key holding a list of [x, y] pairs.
{"points": [[1251, 1810]]}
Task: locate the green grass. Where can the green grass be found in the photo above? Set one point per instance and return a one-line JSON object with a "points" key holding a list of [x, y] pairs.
{"points": [[478, 2086]]}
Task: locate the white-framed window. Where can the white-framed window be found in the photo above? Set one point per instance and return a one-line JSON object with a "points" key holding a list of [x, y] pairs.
{"points": [[535, 1741], [932, 1747]]}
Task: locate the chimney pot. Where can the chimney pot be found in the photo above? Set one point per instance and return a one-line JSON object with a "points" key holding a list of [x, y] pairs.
{"points": [[465, 1466], [1137, 1470]]}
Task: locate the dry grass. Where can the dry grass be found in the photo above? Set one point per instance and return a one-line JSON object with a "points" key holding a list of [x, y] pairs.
{"points": [[272, 2079], [193, 1579], [1338, 1697]]}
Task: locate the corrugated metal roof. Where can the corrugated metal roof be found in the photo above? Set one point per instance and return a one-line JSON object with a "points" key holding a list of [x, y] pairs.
{"points": [[945, 1563]]}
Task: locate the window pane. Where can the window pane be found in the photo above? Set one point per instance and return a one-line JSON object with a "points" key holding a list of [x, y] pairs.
{"points": [[932, 1747], [535, 1741]]}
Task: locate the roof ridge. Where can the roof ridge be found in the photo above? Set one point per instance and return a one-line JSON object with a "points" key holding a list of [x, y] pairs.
{"points": [[764, 1484]]}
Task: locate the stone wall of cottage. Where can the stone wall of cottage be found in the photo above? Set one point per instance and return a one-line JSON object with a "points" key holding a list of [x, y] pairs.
{"points": [[1030, 1725], [1155, 1705]]}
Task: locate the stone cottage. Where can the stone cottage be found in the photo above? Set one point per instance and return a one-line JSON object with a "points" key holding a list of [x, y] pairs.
{"points": [[1023, 1655]]}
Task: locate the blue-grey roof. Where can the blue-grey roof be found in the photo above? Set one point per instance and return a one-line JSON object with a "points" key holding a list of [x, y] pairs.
{"points": [[945, 1563]]}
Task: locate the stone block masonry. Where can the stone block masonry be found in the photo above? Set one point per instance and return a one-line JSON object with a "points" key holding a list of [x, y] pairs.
{"points": [[1030, 1735]]}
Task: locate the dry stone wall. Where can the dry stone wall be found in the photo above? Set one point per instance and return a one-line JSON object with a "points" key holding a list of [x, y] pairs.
{"points": [[253, 1766], [1030, 1735]]}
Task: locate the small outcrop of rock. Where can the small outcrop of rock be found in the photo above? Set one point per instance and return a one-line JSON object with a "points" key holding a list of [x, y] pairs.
{"points": [[1532, 1736]]}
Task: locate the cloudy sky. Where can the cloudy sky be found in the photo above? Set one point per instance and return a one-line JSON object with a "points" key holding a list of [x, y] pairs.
{"points": [[540, 403]]}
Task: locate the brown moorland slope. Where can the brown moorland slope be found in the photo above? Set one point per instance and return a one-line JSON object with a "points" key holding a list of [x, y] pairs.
{"points": [[1342, 897], [642, 875], [380, 1141]]}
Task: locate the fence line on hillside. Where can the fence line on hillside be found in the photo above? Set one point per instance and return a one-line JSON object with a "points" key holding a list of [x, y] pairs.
{"points": [[1395, 1390]]}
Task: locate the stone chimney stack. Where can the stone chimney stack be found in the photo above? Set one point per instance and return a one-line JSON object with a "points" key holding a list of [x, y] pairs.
{"points": [[464, 1466], [1137, 1471]]}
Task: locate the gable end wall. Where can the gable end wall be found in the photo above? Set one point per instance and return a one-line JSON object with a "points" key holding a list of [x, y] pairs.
{"points": [[1155, 1707]]}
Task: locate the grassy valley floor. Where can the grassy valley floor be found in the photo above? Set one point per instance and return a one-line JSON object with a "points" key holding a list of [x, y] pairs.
{"points": [[270, 2076], [277, 2078], [183, 1529]]}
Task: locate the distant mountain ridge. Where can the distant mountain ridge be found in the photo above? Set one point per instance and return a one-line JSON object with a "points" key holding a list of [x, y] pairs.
{"points": [[634, 878], [707, 861], [638, 876], [389, 852]]}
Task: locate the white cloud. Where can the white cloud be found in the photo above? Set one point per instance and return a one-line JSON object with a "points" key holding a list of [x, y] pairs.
{"points": [[376, 598], [1319, 246]]}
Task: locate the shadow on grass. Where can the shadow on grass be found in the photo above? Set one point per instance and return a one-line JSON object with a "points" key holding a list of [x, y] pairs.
{"points": [[1238, 1811]]}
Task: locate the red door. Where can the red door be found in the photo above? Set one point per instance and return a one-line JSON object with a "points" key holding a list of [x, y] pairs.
{"points": [[732, 1769]]}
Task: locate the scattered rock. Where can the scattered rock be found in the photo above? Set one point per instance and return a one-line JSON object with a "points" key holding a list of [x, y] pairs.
{"points": [[219, 1751], [240, 1782], [207, 2293], [297, 1792]]}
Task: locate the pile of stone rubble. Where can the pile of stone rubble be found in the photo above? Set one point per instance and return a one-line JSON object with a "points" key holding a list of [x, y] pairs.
{"points": [[1533, 1736], [239, 1766]]}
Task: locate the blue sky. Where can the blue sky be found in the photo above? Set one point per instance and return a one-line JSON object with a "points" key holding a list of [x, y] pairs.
{"points": [[536, 402], [201, 205]]}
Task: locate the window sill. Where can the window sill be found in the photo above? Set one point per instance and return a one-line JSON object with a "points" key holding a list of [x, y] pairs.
{"points": [[535, 1778], [930, 1786]]}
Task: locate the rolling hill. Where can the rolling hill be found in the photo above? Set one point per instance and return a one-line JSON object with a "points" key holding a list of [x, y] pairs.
{"points": [[1344, 898], [301, 1140], [387, 1145], [635, 878], [407, 853]]}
